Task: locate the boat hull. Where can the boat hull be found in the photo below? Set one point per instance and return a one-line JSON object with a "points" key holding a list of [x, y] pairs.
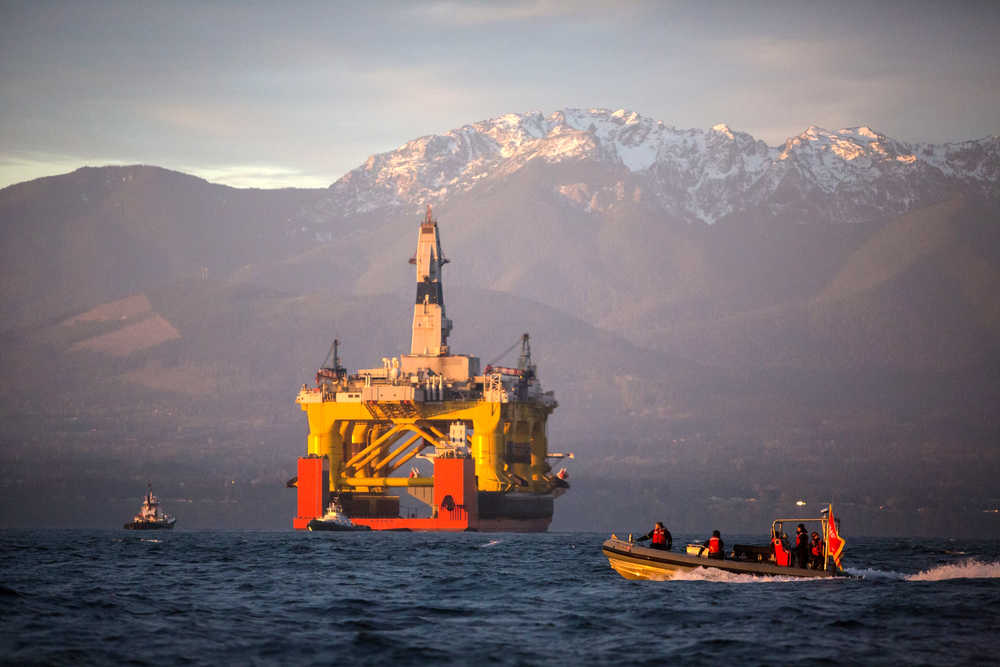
{"points": [[320, 525], [633, 561], [495, 513], [462, 524], [149, 525], [456, 505]]}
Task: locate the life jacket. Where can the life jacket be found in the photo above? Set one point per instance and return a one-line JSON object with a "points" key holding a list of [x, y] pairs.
{"points": [[659, 537], [714, 545], [780, 553], [817, 548]]}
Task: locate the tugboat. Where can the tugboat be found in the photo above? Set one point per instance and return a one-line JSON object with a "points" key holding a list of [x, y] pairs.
{"points": [[335, 519], [150, 517]]}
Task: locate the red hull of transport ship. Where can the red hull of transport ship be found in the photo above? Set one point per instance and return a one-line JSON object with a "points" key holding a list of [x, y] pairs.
{"points": [[456, 503]]}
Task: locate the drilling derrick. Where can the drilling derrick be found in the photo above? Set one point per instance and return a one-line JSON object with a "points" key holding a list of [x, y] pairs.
{"points": [[484, 431], [430, 326]]}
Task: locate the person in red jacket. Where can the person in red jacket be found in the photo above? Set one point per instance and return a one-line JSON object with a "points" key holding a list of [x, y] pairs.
{"points": [[800, 552], [816, 551], [659, 537], [716, 547], [782, 556]]}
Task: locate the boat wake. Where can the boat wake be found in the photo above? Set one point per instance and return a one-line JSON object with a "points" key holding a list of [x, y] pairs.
{"points": [[966, 569], [712, 574], [871, 574]]}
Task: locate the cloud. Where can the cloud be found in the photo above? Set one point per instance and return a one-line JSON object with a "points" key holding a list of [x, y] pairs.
{"points": [[322, 87], [201, 120], [462, 13], [259, 176]]}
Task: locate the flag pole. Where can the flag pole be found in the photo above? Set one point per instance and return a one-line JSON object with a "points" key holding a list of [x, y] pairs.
{"points": [[826, 538]]}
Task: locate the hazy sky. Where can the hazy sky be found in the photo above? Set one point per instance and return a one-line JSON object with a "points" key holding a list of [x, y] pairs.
{"points": [[271, 94]]}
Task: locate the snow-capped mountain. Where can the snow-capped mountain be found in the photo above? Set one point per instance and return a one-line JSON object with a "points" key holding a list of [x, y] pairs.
{"points": [[847, 175]]}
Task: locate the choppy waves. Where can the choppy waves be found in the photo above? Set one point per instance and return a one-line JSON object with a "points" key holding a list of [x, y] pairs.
{"points": [[79, 597]]}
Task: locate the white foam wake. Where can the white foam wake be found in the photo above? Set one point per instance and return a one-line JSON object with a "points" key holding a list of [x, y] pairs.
{"points": [[872, 574], [712, 574], [967, 569]]}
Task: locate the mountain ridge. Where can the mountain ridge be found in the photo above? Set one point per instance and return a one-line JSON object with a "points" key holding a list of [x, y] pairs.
{"points": [[856, 174], [157, 322]]}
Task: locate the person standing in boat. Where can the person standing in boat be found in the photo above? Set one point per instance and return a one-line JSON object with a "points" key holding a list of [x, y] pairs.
{"points": [[816, 551], [801, 549], [716, 547], [659, 537]]}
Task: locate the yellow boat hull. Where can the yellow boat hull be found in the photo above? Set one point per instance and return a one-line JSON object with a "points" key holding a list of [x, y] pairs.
{"points": [[633, 561]]}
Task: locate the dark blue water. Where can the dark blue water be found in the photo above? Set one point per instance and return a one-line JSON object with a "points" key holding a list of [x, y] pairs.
{"points": [[86, 597]]}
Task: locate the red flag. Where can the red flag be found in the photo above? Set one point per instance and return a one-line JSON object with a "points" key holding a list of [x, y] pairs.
{"points": [[834, 543]]}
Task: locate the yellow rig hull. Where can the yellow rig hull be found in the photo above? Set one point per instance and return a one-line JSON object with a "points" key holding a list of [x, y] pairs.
{"points": [[364, 443]]}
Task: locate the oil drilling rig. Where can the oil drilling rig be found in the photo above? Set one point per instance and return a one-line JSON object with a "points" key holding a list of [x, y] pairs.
{"points": [[483, 429]]}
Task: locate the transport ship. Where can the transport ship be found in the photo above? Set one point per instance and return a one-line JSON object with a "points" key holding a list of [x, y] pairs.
{"points": [[483, 429]]}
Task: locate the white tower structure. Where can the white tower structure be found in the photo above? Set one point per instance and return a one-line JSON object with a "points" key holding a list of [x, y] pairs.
{"points": [[430, 326], [429, 350]]}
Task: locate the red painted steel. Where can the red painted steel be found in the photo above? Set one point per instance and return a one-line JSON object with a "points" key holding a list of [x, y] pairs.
{"points": [[310, 491], [455, 478], [456, 501]]}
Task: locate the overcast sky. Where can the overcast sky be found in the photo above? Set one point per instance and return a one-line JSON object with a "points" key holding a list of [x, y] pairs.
{"points": [[271, 94]]}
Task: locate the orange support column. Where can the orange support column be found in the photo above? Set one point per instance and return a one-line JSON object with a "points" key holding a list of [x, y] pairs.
{"points": [[312, 491], [455, 491]]}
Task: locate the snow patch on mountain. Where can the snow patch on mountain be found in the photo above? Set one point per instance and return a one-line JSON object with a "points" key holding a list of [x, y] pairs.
{"points": [[848, 175]]}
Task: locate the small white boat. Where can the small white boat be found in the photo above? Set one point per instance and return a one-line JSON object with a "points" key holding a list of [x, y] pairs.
{"points": [[335, 519]]}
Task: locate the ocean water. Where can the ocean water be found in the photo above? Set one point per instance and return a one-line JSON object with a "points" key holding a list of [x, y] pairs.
{"points": [[237, 598]]}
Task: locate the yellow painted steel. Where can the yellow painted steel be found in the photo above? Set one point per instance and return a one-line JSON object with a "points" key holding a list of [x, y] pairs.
{"points": [[372, 455], [413, 452], [359, 434], [357, 460], [396, 452], [352, 436], [436, 431], [375, 482]]}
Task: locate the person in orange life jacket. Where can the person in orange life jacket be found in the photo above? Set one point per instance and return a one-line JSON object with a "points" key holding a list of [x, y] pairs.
{"points": [[800, 552], [816, 551], [659, 537], [716, 547], [780, 543]]}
